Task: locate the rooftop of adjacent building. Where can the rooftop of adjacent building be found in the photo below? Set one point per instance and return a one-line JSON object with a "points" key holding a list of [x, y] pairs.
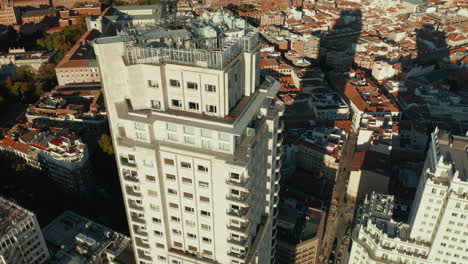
{"points": [[298, 220], [11, 214], [74, 239], [323, 100], [83, 101], [328, 140], [82, 53], [55, 142], [454, 150]]}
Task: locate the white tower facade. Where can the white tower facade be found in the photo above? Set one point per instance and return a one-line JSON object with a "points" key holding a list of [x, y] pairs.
{"points": [[438, 222], [196, 133]]}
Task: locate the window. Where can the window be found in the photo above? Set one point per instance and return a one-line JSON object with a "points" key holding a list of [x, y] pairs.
{"points": [[188, 195], [206, 240], [154, 207], [153, 84], [173, 205], [175, 219], [171, 127], [156, 220], [141, 135], [169, 162], [148, 163], [161, 258], [206, 133], [170, 177], [192, 236], [205, 227], [224, 137], [234, 176], [189, 140], [192, 85], [211, 108], [192, 248], [177, 244], [210, 88], [202, 168], [193, 106], [207, 252], [225, 146], [155, 104], [176, 103], [172, 136], [176, 232], [152, 193], [172, 191], [187, 180], [205, 213], [203, 184], [189, 209], [174, 83], [206, 144], [150, 178], [158, 233], [159, 245], [204, 199], [185, 165], [140, 126], [190, 223], [189, 130]]}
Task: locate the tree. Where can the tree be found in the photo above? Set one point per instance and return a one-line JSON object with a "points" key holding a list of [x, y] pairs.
{"points": [[45, 78], [105, 142]]}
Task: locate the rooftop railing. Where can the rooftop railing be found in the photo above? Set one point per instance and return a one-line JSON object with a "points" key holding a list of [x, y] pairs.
{"points": [[216, 58]]}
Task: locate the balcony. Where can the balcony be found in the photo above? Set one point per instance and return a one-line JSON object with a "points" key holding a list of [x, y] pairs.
{"points": [[243, 242], [278, 166], [243, 213], [279, 141], [275, 212], [242, 199], [143, 256], [240, 255], [137, 219], [275, 200], [133, 205], [127, 162], [280, 126], [242, 229], [277, 189], [139, 243], [130, 176], [130, 191], [138, 232], [243, 183]]}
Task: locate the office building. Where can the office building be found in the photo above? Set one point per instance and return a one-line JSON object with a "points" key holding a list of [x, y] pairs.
{"points": [[437, 227], [195, 131], [21, 239]]}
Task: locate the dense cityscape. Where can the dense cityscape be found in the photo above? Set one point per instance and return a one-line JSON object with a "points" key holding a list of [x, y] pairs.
{"points": [[233, 132]]}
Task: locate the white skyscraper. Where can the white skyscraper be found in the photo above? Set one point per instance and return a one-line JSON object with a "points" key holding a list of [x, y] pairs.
{"points": [[438, 225], [196, 132]]}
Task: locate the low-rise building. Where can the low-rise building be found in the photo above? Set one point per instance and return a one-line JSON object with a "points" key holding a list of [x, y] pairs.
{"points": [[80, 107], [37, 16], [328, 105], [21, 239], [9, 14], [300, 230], [79, 64], [74, 239], [72, 3], [20, 57]]}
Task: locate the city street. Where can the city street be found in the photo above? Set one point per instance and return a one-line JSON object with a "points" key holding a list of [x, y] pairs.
{"points": [[338, 218]]}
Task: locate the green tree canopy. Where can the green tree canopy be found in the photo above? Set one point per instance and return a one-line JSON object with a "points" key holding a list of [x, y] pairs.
{"points": [[105, 142]]}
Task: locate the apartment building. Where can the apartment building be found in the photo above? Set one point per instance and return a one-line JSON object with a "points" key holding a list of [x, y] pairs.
{"points": [[62, 155], [20, 57], [9, 14], [437, 228], [195, 131], [21, 239]]}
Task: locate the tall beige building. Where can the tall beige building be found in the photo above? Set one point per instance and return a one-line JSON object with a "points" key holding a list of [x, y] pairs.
{"points": [[195, 130]]}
